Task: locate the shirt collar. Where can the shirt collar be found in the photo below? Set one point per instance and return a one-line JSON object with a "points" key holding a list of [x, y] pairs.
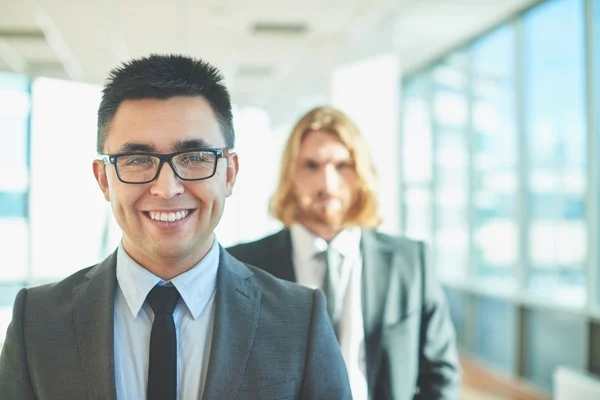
{"points": [[307, 244], [195, 286]]}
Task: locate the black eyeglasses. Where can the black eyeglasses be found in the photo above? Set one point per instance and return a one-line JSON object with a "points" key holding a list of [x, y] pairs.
{"points": [[188, 165]]}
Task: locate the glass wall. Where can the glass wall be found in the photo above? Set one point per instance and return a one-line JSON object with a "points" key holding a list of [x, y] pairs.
{"points": [[495, 160], [450, 119], [417, 159], [555, 130], [518, 90], [510, 179]]}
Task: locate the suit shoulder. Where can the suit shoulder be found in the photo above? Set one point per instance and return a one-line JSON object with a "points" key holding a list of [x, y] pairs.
{"points": [[281, 290], [54, 295], [254, 253], [260, 243], [395, 241]]}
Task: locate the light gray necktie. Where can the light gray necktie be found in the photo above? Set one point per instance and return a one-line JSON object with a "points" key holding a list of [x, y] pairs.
{"points": [[332, 264]]}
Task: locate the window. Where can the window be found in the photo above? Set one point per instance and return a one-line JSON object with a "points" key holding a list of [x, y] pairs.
{"points": [[554, 90], [417, 159], [494, 160], [450, 112], [14, 175], [66, 205]]}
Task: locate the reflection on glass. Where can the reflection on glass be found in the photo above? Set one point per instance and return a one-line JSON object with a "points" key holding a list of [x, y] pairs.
{"points": [[495, 230], [556, 133]]}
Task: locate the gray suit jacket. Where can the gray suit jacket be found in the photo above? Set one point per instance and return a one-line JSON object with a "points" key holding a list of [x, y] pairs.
{"points": [[409, 337], [271, 339]]}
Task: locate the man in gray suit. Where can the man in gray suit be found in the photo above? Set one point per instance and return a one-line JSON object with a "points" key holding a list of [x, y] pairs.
{"points": [[387, 309], [170, 314]]}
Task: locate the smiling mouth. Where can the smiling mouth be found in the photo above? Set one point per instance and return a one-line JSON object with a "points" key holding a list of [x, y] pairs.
{"points": [[171, 216]]}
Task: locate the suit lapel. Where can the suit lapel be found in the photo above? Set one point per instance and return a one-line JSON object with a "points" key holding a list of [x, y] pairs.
{"points": [[376, 271], [236, 320], [93, 304], [377, 262]]}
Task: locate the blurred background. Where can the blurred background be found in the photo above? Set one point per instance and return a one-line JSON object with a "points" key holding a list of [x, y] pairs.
{"points": [[483, 118]]}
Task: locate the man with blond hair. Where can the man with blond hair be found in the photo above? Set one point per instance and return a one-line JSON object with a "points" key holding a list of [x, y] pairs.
{"points": [[388, 312]]}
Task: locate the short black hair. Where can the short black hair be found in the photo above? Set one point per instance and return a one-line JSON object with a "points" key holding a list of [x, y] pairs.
{"points": [[162, 77]]}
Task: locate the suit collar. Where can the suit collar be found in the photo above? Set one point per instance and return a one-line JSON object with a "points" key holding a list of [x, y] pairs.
{"points": [[93, 304], [237, 309]]}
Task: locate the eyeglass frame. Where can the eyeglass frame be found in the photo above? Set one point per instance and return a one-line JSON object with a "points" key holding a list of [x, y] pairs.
{"points": [[219, 153]]}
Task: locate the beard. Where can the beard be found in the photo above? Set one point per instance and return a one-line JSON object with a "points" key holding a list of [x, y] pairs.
{"points": [[317, 211]]}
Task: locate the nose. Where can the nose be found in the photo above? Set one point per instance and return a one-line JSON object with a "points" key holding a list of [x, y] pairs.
{"points": [[331, 178], [166, 185]]}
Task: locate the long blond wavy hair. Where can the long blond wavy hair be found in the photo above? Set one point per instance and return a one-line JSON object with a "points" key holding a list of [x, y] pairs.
{"points": [[365, 211]]}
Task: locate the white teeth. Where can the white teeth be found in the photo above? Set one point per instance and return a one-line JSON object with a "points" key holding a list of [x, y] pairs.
{"points": [[170, 217]]}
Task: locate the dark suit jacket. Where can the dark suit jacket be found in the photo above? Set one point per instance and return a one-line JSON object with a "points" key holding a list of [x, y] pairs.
{"points": [[409, 337], [271, 339]]}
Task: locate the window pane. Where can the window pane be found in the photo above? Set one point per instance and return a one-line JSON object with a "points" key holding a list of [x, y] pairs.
{"points": [[417, 211], [14, 230], [416, 132], [14, 123], [450, 122], [494, 147], [554, 85], [68, 212]]}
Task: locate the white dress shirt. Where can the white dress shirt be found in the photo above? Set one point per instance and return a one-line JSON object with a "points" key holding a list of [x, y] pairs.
{"points": [[310, 271], [193, 316]]}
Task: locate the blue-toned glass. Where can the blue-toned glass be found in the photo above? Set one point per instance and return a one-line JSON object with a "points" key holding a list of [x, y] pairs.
{"points": [[555, 121], [450, 121], [494, 161]]}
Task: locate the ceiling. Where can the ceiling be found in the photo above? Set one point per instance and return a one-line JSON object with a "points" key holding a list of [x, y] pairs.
{"points": [[275, 54]]}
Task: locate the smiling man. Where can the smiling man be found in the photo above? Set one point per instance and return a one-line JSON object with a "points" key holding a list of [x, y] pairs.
{"points": [[170, 314]]}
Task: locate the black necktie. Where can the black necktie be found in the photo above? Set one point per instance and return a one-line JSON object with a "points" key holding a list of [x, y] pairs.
{"points": [[162, 366]]}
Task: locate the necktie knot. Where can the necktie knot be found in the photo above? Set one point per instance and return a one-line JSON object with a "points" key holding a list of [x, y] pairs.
{"points": [[163, 299]]}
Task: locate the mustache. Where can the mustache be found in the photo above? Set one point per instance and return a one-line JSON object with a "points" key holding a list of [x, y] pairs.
{"points": [[325, 196]]}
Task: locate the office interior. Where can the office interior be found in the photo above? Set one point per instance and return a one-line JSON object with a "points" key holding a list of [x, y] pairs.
{"points": [[483, 118]]}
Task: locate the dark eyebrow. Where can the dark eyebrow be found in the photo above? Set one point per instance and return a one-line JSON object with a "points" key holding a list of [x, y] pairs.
{"points": [[130, 147], [191, 144]]}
